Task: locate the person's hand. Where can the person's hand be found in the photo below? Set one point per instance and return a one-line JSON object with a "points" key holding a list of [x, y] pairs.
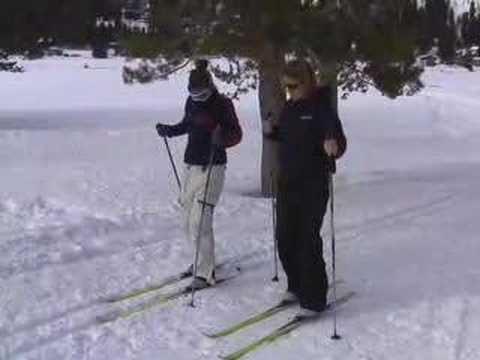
{"points": [[267, 127], [163, 130], [331, 147]]}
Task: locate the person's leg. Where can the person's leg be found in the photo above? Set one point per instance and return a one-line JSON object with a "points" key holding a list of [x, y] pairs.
{"points": [[313, 276], [204, 230], [286, 232]]}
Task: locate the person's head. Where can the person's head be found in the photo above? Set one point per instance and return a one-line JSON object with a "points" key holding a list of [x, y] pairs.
{"points": [[298, 79], [200, 82]]}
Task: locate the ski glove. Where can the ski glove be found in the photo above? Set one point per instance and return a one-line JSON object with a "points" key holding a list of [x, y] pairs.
{"points": [[331, 147], [163, 130]]}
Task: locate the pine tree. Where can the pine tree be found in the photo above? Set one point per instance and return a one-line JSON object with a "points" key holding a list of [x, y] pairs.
{"points": [[23, 23], [475, 28], [470, 26], [431, 22], [362, 43], [448, 39], [425, 38], [468, 29], [464, 28]]}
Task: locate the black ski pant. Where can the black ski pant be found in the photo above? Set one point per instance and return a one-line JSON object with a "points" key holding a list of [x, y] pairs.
{"points": [[301, 206]]}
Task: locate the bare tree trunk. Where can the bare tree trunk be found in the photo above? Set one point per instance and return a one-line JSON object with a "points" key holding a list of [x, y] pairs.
{"points": [[271, 99]]}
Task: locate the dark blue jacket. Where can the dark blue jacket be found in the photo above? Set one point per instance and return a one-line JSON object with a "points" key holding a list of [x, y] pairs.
{"points": [[303, 127], [199, 122]]}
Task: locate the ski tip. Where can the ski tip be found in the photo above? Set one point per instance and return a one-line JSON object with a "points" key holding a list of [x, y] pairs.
{"points": [[119, 298], [112, 299], [211, 336], [106, 318], [300, 318], [108, 299]]}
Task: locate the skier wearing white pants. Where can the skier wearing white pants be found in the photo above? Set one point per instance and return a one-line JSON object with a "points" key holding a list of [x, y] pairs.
{"points": [[192, 197], [212, 126]]}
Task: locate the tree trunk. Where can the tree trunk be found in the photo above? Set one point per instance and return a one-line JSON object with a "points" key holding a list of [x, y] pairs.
{"points": [[271, 99], [328, 76]]}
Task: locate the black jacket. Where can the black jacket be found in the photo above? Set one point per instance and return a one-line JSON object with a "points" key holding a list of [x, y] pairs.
{"points": [[303, 127], [199, 121]]}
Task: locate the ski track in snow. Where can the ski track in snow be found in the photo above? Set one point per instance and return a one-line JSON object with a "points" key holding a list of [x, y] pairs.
{"points": [[88, 210]]}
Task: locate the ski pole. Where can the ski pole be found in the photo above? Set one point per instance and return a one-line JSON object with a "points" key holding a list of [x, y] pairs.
{"points": [[274, 223], [335, 335], [173, 163], [202, 215]]}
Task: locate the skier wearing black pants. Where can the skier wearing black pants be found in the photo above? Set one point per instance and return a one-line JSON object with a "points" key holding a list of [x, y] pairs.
{"points": [[310, 137]]}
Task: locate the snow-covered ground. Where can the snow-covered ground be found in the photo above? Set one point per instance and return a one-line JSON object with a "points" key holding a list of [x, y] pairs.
{"points": [[88, 209], [462, 6]]}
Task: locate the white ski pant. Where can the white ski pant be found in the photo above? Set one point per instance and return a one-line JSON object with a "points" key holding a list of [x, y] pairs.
{"points": [[192, 200]]}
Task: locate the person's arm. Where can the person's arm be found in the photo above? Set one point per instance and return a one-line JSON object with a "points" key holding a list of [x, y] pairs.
{"points": [[178, 129], [270, 129], [338, 135], [181, 128], [272, 135], [229, 132], [335, 143]]}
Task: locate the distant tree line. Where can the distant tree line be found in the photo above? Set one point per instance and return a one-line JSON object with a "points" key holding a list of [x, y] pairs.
{"points": [[470, 26], [74, 22], [446, 31]]}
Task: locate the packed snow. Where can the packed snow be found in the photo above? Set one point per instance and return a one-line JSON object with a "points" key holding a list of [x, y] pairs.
{"points": [[462, 6], [88, 209]]}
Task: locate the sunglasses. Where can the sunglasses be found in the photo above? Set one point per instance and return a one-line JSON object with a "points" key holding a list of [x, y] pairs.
{"points": [[292, 87]]}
